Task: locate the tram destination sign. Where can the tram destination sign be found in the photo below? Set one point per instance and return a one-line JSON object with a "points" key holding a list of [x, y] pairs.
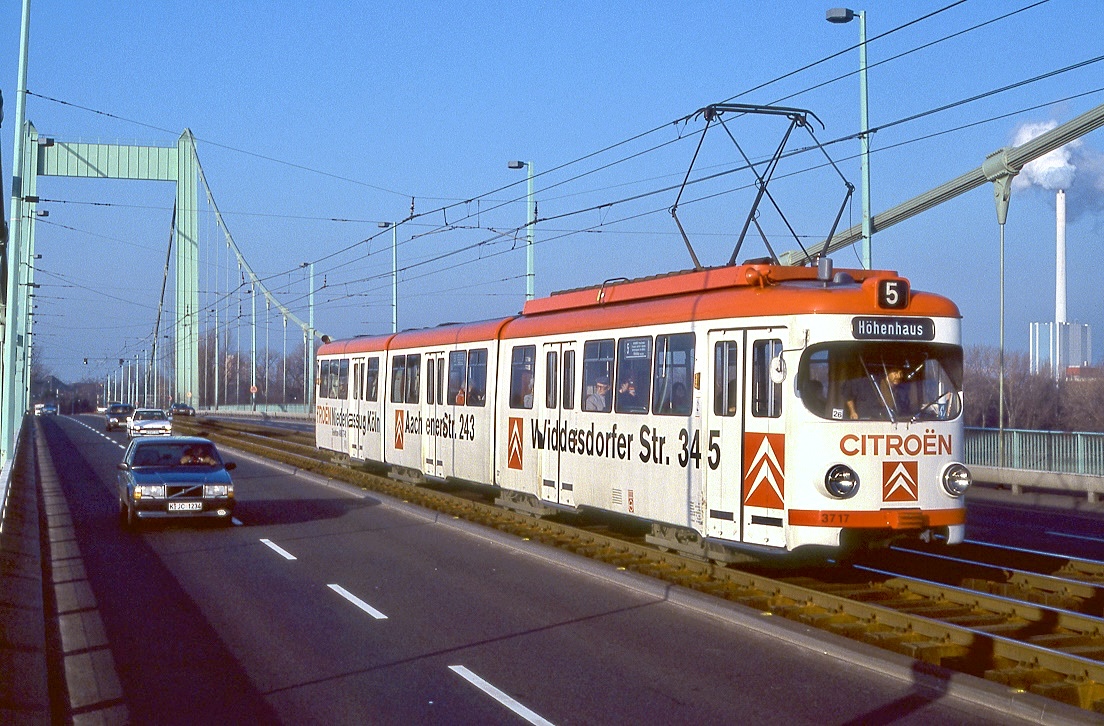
{"points": [[882, 328]]}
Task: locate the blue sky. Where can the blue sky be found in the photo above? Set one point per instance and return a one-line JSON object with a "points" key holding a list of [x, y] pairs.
{"points": [[308, 113]]}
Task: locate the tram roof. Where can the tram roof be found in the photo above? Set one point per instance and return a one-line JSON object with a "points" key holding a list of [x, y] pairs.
{"points": [[721, 292]]}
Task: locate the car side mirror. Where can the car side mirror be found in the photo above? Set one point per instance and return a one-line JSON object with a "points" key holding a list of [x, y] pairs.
{"points": [[230, 466], [122, 466]]}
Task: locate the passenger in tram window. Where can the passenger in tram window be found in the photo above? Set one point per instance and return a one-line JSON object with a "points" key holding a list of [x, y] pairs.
{"points": [[628, 399], [812, 393], [680, 401], [596, 401], [527, 389], [627, 390], [732, 399]]}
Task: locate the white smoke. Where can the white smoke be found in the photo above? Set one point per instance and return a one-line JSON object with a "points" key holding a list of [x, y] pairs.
{"points": [[1050, 171]]}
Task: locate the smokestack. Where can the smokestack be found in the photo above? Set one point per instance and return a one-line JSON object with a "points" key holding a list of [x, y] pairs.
{"points": [[1060, 260]]}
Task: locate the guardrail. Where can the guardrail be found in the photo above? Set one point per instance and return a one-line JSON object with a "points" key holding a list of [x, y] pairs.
{"points": [[294, 410], [1070, 462]]}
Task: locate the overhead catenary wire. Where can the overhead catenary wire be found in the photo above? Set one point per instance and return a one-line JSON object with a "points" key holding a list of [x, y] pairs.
{"points": [[500, 236]]}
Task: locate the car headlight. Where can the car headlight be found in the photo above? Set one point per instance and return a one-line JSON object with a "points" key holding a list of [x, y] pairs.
{"points": [[841, 481], [218, 490], [149, 491], [957, 479]]}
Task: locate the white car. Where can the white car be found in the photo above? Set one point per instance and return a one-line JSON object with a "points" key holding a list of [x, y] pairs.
{"points": [[149, 422]]}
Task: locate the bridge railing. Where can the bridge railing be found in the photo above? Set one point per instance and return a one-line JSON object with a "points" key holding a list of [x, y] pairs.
{"points": [[1050, 460], [263, 410]]}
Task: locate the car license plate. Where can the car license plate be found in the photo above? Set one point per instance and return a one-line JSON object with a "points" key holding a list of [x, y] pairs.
{"points": [[185, 506]]}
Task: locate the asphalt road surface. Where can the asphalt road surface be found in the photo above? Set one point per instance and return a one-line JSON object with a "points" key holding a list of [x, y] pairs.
{"points": [[326, 605]]}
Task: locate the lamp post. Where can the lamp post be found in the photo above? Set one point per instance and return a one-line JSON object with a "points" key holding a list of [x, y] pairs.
{"points": [[531, 219], [308, 353], [394, 273], [845, 15]]}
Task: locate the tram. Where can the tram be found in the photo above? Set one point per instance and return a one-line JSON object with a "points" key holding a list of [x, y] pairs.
{"points": [[754, 406]]}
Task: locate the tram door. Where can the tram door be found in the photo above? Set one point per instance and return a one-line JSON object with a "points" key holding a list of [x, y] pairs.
{"points": [[722, 438], [764, 477], [433, 411], [556, 404], [357, 409]]}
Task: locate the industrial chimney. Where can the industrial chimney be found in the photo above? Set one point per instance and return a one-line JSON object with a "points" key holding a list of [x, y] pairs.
{"points": [[1060, 338], [1060, 259]]}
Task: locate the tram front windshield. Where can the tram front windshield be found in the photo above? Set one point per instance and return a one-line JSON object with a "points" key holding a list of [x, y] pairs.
{"points": [[879, 381]]}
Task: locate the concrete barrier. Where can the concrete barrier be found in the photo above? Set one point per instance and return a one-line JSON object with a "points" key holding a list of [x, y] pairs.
{"points": [[1020, 481]]}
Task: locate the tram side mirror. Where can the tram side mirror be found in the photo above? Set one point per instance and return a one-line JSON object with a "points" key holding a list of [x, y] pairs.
{"points": [[777, 369]]}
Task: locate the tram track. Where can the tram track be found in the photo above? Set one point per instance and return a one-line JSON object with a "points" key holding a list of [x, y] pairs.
{"points": [[1035, 626]]}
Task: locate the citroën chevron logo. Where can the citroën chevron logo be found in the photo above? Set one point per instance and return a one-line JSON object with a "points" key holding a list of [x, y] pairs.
{"points": [[513, 457], [764, 474], [899, 481], [400, 427]]}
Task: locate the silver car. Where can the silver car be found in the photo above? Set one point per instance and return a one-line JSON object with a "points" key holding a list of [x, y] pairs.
{"points": [[148, 422], [179, 476]]}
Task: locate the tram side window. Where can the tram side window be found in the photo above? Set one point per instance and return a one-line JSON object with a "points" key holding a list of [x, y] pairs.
{"points": [[322, 379], [634, 374], [522, 365], [597, 373], [440, 382], [413, 368], [358, 380], [813, 385], [343, 379], [457, 377], [398, 378], [477, 377], [568, 380], [674, 374], [726, 379], [431, 380], [551, 379], [435, 381], [766, 395], [371, 382]]}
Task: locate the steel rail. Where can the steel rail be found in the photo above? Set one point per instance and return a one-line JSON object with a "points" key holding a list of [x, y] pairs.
{"points": [[900, 617]]}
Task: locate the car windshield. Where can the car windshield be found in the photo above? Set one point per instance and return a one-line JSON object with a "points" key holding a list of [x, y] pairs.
{"points": [[144, 415], [175, 455], [121, 409], [880, 381]]}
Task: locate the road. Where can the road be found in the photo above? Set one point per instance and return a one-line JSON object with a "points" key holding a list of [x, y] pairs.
{"points": [[326, 605]]}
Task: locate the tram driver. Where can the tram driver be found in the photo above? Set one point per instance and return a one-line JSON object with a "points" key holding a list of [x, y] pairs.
{"points": [[872, 397]]}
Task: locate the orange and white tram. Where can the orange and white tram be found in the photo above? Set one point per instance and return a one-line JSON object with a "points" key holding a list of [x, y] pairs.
{"points": [[744, 406]]}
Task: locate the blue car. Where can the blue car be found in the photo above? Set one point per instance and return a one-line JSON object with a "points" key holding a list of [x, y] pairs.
{"points": [[174, 477]]}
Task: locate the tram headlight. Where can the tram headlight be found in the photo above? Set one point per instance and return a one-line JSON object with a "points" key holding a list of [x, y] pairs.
{"points": [[957, 479], [841, 481]]}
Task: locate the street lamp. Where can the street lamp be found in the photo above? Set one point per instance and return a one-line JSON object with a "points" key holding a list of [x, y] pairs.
{"points": [[394, 274], [845, 15], [531, 216], [308, 353]]}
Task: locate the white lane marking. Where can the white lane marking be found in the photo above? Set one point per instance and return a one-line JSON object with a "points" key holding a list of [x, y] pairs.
{"points": [[283, 553], [101, 434], [499, 696], [358, 602], [1076, 536], [236, 522]]}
